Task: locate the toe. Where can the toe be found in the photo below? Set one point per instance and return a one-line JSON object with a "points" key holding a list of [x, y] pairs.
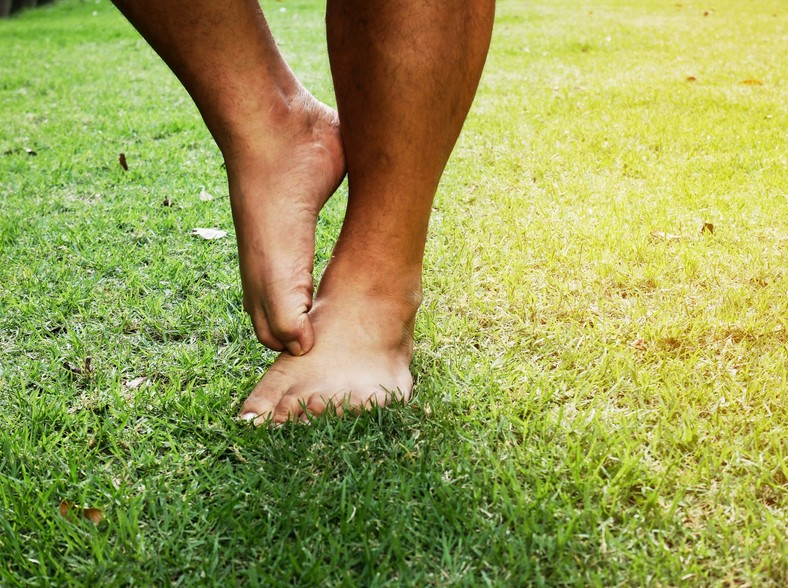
{"points": [[290, 407], [263, 332], [345, 402], [316, 405], [383, 396], [261, 404], [293, 330], [320, 402], [368, 398]]}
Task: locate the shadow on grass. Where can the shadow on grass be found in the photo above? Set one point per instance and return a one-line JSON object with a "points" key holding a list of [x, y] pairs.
{"points": [[424, 493]]}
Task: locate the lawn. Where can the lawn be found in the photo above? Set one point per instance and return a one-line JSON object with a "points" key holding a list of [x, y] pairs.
{"points": [[602, 355]]}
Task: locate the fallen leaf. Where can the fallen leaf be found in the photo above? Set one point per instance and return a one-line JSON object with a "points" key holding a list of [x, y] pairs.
{"points": [[136, 382], [77, 370], [65, 507], [122, 161], [205, 196], [72, 368], [661, 235], [209, 233], [94, 515], [707, 228], [639, 344], [751, 82], [692, 79]]}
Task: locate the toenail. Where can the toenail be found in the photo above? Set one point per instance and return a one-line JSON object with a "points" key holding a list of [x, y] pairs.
{"points": [[248, 416], [294, 347]]}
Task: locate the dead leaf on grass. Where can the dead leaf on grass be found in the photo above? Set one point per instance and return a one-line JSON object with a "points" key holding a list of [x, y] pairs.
{"points": [[707, 228], [94, 515], [86, 369], [16, 150], [72, 368], [68, 509], [209, 233], [205, 196], [663, 236], [65, 507], [122, 161], [752, 82], [692, 79], [136, 382], [639, 344]]}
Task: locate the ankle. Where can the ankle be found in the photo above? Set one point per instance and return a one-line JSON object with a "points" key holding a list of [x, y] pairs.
{"points": [[400, 291], [271, 138], [258, 129]]}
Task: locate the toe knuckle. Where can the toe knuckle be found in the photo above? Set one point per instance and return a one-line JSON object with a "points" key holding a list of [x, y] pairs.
{"points": [[316, 405], [285, 328]]}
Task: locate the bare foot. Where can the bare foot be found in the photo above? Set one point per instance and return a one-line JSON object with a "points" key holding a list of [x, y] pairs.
{"points": [[361, 357], [277, 187]]}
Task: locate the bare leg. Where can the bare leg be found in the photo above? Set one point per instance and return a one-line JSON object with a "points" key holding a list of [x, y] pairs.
{"points": [[405, 74], [282, 148]]}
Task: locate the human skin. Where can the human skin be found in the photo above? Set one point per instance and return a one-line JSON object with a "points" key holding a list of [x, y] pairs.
{"points": [[281, 147], [405, 74]]}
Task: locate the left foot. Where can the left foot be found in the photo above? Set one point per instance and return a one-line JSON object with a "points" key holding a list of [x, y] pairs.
{"points": [[277, 187], [363, 347]]}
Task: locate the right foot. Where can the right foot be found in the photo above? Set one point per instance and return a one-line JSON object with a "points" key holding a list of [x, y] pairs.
{"points": [[361, 357], [277, 187]]}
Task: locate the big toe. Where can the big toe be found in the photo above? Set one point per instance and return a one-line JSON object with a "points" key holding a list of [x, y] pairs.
{"points": [[291, 332], [261, 405], [297, 335]]}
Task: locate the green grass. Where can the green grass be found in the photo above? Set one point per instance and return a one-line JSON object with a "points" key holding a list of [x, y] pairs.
{"points": [[595, 405]]}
